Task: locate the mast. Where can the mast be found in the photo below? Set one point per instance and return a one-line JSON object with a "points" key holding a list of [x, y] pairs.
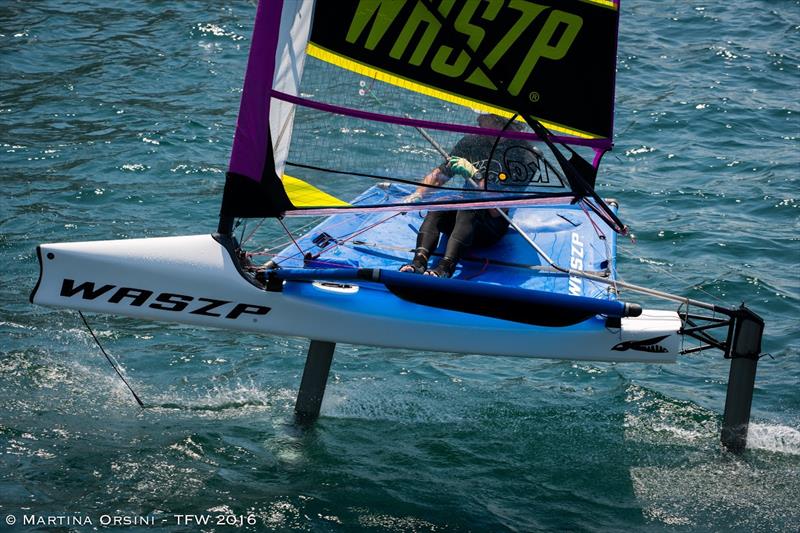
{"points": [[250, 142], [253, 186]]}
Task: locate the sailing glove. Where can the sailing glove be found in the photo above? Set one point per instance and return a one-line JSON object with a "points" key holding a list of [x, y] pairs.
{"points": [[462, 167]]}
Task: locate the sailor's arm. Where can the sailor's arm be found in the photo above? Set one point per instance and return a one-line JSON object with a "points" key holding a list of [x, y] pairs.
{"points": [[434, 178]]}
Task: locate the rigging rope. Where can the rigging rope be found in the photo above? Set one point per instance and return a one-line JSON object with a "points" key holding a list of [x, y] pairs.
{"points": [[602, 236], [338, 241], [289, 233], [281, 246], [359, 232], [111, 361], [250, 235], [671, 275]]}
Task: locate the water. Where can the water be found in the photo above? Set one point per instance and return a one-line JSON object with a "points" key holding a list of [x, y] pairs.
{"points": [[117, 122]]}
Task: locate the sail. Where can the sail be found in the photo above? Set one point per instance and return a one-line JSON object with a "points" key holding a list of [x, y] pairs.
{"points": [[339, 96], [553, 60]]}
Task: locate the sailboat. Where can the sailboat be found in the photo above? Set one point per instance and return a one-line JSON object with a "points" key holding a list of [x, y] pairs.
{"points": [[345, 106]]}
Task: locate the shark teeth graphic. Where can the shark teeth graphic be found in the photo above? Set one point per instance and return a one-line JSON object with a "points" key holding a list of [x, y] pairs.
{"points": [[646, 345]]}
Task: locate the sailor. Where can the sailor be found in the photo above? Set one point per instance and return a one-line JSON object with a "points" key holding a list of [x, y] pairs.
{"points": [[470, 159]]}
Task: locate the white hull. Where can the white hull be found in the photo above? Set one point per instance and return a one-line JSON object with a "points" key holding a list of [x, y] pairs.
{"points": [[193, 280]]}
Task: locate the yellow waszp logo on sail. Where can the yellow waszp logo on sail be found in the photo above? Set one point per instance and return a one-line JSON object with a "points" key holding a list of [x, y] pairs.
{"points": [[553, 40], [553, 60]]}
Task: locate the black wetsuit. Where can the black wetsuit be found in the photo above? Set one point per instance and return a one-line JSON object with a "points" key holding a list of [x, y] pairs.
{"points": [[474, 227]]}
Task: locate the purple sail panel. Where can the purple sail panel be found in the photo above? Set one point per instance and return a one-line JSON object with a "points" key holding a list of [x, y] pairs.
{"points": [[252, 127]]}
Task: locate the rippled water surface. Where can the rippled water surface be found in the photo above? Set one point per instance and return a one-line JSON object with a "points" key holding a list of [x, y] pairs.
{"points": [[116, 121]]}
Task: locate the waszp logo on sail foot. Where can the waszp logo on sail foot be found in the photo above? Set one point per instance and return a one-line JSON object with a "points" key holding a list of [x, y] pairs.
{"points": [[164, 301]]}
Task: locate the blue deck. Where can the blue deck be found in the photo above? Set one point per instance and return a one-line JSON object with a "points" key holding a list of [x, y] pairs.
{"points": [[386, 240]]}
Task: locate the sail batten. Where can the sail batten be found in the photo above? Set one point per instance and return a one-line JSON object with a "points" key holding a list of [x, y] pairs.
{"points": [[555, 199], [429, 124]]}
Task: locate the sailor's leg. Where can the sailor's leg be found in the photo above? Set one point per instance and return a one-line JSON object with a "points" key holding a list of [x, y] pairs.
{"points": [[463, 234], [459, 240], [489, 229], [474, 227], [435, 223]]}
